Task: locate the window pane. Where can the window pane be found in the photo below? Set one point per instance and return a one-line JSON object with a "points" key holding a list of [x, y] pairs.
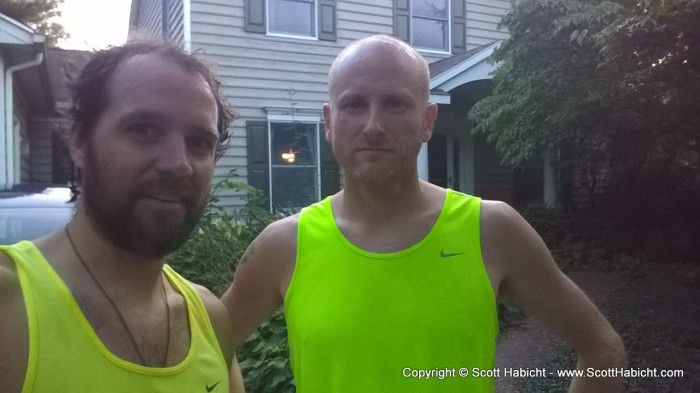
{"points": [[429, 34], [293, 187], [293, 144], [295, 17], [430, 8], [294, 164]]}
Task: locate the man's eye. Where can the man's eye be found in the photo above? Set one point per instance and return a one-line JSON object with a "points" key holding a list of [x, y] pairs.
{"points": [[143, 131], [395, 103], [353, 104], [203, 145]]}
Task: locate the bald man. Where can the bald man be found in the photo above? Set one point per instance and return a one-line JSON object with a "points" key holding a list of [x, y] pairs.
{"points": [[391, 284]]}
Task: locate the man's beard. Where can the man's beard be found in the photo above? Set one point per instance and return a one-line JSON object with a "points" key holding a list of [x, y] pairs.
{"points": [[154, 234]]}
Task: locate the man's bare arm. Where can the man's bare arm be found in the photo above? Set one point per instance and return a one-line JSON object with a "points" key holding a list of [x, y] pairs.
{"points": [[236, 384], [221, 323], [531, 279], [262, 277]]}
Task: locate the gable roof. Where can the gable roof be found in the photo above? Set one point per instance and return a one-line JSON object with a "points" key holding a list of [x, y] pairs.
{"points": [[21, 45], [443, 65], [457, 70], [14, 32]]}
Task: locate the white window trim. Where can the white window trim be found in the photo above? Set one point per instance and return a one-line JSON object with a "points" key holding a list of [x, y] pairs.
{"points": [[187, 25], [304, 119], [449, 31], [288, 35], [287, 118]]}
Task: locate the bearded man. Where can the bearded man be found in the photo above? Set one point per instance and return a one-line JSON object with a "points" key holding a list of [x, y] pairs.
{"points": [[93, 307]]}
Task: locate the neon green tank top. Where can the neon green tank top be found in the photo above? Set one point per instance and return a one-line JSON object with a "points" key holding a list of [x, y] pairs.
{"points": [[66, 355], [406, 321]]}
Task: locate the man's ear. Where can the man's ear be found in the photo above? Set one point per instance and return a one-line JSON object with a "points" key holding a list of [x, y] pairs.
{"points": [[327, 121], [431, 112]]}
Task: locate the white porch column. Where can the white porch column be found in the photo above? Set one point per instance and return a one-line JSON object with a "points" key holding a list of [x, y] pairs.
{"points": [[550, 177], [3, 109], [423, 162]]}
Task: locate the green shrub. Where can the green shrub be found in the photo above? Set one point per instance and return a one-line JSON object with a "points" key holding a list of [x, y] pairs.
{"points": [[211, 255], [210, 258], [264, 358]]}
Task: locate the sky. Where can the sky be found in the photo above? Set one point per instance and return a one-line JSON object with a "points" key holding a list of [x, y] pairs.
{"points": [[94, 24]]}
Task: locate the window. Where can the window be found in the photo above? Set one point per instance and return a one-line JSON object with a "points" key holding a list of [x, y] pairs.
{"points": [[290, 160], [294, 168], [292, 17], [432, 25], [430, 28]]}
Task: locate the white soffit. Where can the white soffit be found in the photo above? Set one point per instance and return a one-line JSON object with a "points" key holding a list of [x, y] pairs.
{"points": [[474, 68]]}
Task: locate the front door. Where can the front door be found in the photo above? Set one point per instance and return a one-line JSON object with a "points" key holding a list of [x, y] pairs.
{"points": [[444, 161]]}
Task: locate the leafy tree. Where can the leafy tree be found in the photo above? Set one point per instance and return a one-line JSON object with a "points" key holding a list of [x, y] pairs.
{"points": [[615, 86], [38, 14]]}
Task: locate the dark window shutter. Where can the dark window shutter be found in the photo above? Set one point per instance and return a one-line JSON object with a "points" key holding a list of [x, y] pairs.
{"points": [[402, 20], [326, 20], [255, 16], [258, 167], [330, 170], [459, 27]]}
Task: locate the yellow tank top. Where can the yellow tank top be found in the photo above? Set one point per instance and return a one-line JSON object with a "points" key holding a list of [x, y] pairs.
{"points": [[406, 321], [66, 355]]}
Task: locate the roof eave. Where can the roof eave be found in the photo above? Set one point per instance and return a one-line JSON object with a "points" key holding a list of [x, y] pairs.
{"points": [[441, 79]]}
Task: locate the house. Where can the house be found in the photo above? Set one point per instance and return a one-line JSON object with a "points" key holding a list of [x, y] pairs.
{"points": [[273, 58], [34, 99], [25, 103]]}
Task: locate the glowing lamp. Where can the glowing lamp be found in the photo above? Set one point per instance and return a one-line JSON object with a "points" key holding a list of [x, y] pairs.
{"points": [[289, 156]]}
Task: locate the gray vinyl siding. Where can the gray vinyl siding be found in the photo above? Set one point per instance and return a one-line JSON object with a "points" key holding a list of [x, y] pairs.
{"points": [[21, 113], [42, 151], [150, 17], [176, 21], [36, 143], [482, 22], [258, 70]]}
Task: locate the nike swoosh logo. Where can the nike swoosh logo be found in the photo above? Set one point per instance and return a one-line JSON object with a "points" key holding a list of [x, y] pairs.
{"points": [[446, 255], [209, 389]]}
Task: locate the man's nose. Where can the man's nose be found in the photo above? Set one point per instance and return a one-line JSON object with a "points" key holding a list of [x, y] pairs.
{"points": [[374, 127], [173, 157]]}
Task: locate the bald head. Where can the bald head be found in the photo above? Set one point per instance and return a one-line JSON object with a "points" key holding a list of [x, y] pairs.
{"points": [[391, 48]]}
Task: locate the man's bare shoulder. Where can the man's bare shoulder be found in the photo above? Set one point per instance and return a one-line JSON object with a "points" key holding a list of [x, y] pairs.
{"points": [[284, 229], [502, 227], [505, 239], [210, 301], [9, 279], [500, 224], [220, 320], [13, 329], [277, 241], [498, 213]]}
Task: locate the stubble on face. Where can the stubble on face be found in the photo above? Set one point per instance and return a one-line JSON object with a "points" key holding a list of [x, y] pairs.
{"points": [[113, 206]]}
